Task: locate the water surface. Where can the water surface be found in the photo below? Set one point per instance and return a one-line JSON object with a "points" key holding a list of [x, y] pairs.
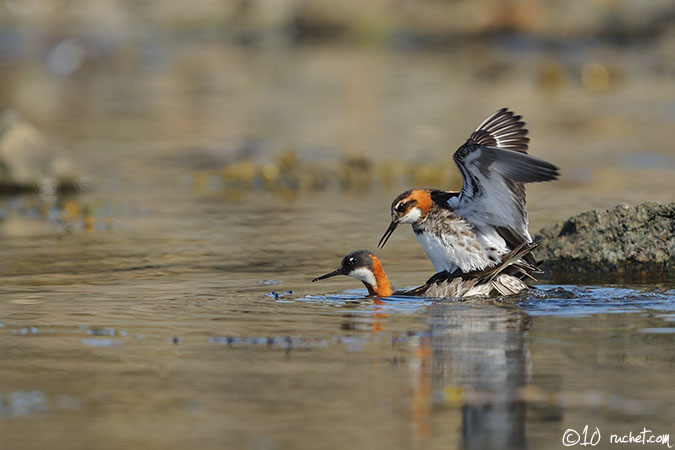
{"points": [[163, 309], [202, 329]]}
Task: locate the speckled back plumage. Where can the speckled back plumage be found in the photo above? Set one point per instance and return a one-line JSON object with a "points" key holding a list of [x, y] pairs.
{"points": [[451, 242], [505, 278]]}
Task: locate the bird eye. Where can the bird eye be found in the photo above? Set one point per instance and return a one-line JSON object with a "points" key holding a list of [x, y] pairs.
{"points": [[351, 260], [400, 207]]}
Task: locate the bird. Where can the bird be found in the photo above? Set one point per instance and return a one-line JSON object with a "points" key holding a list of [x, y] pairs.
{"points": [[469, 230], [504, 278]]}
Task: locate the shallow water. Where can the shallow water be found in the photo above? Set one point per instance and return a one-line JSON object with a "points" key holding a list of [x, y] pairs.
{"points": [[171, 364], [200, 328], [161, 310]]}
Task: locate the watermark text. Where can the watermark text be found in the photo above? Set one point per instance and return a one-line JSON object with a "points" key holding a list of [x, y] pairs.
{"points": [[592, 436]]}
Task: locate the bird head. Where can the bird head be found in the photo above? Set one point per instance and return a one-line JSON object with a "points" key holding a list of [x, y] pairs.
{"points": [[365, 267], [408, 207]]}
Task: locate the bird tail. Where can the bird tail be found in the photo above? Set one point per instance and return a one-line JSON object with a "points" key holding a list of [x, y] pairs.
{"points": [[514, 269], [514, 264]]}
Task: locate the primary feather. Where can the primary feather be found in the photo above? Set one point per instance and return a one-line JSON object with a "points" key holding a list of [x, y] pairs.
{"points": [[495, 165]]}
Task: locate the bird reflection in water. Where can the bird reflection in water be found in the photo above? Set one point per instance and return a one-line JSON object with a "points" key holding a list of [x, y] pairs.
{"points": [[473, 360]]}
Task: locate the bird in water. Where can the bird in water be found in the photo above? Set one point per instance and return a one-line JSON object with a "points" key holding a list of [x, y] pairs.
{"points": [[505, 278], [472, 229]]}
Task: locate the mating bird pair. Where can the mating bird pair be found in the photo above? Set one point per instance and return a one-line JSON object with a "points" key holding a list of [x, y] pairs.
{"points": [[477, 238]]}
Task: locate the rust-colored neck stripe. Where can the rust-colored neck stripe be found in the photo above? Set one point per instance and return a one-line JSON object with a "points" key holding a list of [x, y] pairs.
{"points": [[383, 288], [423, 199]]}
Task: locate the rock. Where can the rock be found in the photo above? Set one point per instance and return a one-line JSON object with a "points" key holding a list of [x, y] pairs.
{"points": [[28, 162], [635, 242]]}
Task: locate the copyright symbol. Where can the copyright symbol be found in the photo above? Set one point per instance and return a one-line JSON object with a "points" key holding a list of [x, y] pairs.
{"points": [[570, 437]]}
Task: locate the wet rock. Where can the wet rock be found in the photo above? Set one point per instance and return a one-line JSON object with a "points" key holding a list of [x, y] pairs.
{"points": [[624, 241], [28, 161]]}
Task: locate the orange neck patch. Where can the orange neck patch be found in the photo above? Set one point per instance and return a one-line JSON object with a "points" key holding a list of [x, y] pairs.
{"points": [[423, 199], [384, 288]]}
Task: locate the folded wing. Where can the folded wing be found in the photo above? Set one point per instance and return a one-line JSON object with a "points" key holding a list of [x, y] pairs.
{"points": [[505, 277]]}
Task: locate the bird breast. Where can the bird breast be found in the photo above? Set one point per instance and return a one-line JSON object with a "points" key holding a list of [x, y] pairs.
{"points": [[450, 243]]}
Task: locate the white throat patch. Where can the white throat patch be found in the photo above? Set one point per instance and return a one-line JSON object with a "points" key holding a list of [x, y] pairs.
{"points": [[413, 215], [365, 275]]}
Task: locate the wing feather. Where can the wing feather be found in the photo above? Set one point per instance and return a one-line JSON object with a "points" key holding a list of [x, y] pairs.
{"points": [[518, 167], [495, 165], [501, 129]]}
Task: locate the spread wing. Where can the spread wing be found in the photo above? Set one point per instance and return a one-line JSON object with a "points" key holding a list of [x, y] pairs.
{"points": [[495, 166]]}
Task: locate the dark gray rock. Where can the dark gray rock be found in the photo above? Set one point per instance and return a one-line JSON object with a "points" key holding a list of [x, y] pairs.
{"points": [[635, 242]]}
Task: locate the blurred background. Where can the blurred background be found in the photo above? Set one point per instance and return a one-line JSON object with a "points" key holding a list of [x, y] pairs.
{"points": [[173, 173], [296, 97], [231, 121]]}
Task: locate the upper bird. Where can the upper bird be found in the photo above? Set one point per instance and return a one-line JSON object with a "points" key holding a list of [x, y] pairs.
{"points": [[505, 277], [471, 229]]}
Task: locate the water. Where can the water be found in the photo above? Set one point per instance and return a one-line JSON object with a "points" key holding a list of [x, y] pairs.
{"points": [[143, 314], [163, 331]]}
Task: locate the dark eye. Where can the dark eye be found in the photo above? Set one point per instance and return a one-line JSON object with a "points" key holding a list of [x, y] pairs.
{"points": [[400, 207], [351, 261]]}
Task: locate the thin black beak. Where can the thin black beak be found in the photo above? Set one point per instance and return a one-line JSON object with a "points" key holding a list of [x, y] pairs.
{"points": [[388, 233], [328, 275]]}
